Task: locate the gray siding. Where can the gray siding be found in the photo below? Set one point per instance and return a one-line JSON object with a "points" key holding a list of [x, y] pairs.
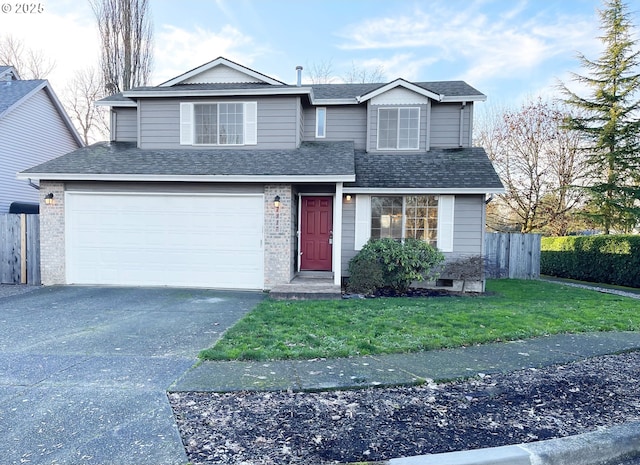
{"points": [[126, 125], [277, 123], [373, 125], [29, 135], [468, 224], [348, 233], [346, 122], [445, 125], [467, 231]]}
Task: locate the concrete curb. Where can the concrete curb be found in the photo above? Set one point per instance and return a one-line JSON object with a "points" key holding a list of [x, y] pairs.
{"points": [[601, 447]]}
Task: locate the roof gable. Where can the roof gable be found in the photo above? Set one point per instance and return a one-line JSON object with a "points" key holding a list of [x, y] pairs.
{"points": [[220, 70], [8, 73], [15, 93], [400, 84]]}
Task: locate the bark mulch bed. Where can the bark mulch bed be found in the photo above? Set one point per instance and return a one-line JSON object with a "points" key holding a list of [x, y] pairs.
{"points": [[378, 424]]}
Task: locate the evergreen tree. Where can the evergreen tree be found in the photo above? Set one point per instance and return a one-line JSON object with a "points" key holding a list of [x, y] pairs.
{"points": [[609, 121]]}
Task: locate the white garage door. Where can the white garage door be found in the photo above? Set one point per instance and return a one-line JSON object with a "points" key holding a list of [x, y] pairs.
{"points": [[164, 239]]}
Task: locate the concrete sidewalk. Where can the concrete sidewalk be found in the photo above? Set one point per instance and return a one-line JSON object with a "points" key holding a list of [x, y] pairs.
{"points": [[619, 445], [402, 369]]}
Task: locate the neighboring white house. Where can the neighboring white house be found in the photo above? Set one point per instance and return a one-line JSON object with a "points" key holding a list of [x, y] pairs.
{"points": [[34, 128]]}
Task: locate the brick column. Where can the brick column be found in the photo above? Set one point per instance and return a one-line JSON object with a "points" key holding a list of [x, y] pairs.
{"points": [[52, 251], [278, 240]]}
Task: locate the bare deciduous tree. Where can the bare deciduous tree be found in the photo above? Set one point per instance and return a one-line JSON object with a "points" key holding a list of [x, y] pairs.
{"points": [[30, 64], [79, 100], [321, 73], [363, 75], [127, 47], [540, 163]]}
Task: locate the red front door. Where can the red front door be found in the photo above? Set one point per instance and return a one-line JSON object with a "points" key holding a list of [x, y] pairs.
{"points": [[316, 233]]}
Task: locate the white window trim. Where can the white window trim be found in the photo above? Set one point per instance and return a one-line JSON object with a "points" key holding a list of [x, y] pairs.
{"points": [[188, 128], [413, 149], [446, 211], [318, 111]]}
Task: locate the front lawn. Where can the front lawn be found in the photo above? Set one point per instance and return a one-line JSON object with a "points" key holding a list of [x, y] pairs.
{"points": [[511, 309]]}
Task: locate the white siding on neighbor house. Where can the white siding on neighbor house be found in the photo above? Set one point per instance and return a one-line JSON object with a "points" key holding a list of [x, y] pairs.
{"points": [[126, 121], [373, 127], [277, 123], [343, 123], [30, 134], [445, 125]]}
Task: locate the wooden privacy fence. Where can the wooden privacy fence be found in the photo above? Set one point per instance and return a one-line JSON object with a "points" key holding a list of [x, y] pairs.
{"points": [[515, 256], [19, 249]]}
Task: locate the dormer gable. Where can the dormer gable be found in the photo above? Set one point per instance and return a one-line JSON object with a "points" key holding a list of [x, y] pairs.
{"points": [[221, 71], [399, 91]]}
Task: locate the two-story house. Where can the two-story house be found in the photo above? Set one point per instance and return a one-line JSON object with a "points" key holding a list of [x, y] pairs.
{"points": [[224, 177]]}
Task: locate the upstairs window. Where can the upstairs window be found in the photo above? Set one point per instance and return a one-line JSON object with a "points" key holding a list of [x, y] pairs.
{"points": [[321, 123], [399, 128], [219, 123], [233, 123]]}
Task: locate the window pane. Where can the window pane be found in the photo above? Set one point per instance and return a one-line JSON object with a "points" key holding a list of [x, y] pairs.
{"points": [[386, 217], [231, 125], [408, 137], [422, 217], [321, 118], [387, 128], [205, 124]]}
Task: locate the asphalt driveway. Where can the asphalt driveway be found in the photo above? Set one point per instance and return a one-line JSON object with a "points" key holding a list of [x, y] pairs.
{"points": [[84, 371]]}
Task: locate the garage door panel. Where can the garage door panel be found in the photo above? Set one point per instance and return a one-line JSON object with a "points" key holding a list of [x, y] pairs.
{"points": [[163, 239]]}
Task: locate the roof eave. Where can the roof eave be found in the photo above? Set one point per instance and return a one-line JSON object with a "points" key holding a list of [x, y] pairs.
{"points": [[464, 98], [400, 83], [115, 103], [185, 178], [426, 189], [218, 92]]}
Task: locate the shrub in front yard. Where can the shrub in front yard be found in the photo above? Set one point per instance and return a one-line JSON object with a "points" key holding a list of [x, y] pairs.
{"points": [[390, 263]]}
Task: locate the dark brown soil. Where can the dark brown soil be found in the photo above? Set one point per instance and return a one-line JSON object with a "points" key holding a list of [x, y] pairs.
{"points": [[378, 424]]}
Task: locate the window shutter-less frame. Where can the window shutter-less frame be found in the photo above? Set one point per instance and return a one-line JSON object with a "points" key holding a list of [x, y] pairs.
{"points": [[445, 222], [363, 220], [251, 123], [186, 123]]}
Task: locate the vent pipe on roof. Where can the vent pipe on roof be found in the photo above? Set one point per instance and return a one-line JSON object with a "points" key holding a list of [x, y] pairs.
{"points": [[299, 71]]}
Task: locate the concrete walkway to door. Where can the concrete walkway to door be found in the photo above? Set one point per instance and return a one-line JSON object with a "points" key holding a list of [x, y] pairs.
{"points": [[84, 370]]}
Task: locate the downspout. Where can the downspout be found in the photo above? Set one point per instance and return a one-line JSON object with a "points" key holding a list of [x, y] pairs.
{"points": [[461, 122], [32, 184]]}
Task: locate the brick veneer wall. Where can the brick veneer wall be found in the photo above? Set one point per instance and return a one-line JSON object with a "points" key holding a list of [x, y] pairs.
{"points": [[52, 252], [278, 239]]}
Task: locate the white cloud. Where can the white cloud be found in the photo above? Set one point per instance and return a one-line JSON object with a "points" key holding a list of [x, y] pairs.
{"points": [[481, 50], [68, 39], [182, 50]]}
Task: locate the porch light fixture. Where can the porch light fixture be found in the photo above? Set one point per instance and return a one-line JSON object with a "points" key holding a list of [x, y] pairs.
{"points": [[348, 197], [48, 199], [276, 202]]}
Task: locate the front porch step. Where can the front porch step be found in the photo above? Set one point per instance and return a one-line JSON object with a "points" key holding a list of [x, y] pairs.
{"points": [[314, 275], [304, 288]]}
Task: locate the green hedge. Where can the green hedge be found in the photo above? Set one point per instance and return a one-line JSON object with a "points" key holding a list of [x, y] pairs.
{"points": [[600, 259]]}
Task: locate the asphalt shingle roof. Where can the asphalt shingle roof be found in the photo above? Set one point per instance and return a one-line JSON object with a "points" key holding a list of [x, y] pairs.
{"points": [[125, 158], [320, 91], [12, 91], [464, 168]]}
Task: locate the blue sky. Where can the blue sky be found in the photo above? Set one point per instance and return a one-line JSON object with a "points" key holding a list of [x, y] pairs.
{"points": [[508, 49]]}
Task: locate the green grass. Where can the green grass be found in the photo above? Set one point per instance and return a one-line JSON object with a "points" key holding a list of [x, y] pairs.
{"points": [[510, 310]]}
